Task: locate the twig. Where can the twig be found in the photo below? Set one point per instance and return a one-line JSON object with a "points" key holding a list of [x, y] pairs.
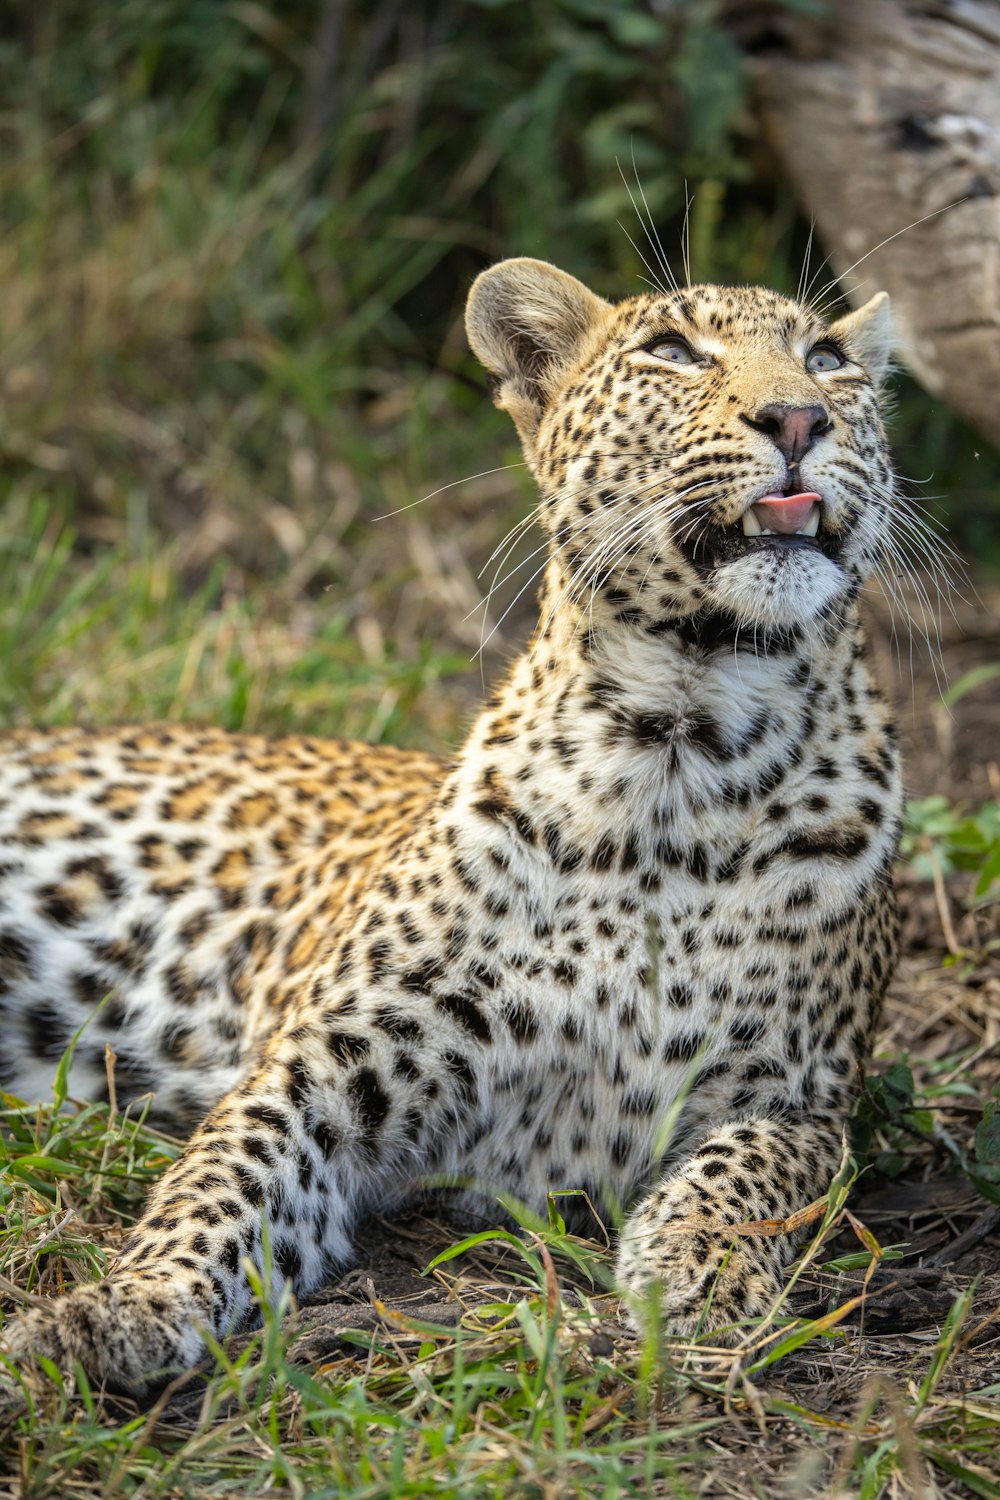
{"points": [[110, 1058], [988, 1221], [18, 1294], [55, 1231], [941, 897]]}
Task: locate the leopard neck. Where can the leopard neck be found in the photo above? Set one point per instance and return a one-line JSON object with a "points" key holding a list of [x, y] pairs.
{"points": [[665, 724]]}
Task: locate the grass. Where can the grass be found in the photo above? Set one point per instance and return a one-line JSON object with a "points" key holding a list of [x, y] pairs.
{"points": [[164, 650]]}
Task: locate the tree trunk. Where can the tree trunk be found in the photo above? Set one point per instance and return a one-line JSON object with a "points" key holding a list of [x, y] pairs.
{"points": [[884, 112]]}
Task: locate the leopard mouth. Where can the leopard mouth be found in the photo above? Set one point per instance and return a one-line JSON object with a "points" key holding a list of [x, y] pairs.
{"points": [[777, 523], [794, 517]]}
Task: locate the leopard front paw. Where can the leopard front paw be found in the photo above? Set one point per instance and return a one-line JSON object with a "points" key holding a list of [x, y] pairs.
{"points": [[702, 1277], [131, 1336]]}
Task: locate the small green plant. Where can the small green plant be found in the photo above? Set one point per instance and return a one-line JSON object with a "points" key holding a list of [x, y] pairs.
{"points": [[940, 836], [987, 1149], [892, 1111]]}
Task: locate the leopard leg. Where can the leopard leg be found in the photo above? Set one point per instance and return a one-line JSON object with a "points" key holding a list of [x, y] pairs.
{"points": [[682, 1236], [327, 1127]]}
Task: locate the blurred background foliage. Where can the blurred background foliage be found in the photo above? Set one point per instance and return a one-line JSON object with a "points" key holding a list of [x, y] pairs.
{"points": [[236, 243]]}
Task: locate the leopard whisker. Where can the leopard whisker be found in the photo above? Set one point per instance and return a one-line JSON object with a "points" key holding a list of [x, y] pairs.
{"points": [[813, 300], [927, 626], [592, 560], [653, 513], [453, 484], [804, 273], [513, 537], [649, 229], [591, 566]]}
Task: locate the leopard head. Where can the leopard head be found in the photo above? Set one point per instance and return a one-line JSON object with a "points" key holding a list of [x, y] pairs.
{"points": [[713, 451]]}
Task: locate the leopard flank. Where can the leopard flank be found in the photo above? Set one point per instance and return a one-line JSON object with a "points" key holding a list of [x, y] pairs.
{"points": [[658, 869]]}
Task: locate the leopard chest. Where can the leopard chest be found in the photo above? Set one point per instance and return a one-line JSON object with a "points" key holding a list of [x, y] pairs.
{"points": [[740, 978]]}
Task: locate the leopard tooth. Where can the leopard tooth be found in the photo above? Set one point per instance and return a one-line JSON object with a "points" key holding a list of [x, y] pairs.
{"points": [[751, 525], [811, 525]]}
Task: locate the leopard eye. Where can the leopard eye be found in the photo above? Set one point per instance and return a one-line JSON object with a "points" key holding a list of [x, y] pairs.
{"points": [[673, 351], [824, 357]]}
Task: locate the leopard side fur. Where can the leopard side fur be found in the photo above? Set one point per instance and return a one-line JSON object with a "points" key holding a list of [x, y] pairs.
{"points": [[660, 865]]}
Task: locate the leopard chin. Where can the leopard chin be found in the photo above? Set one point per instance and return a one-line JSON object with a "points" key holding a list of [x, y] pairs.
{"points": [[779, 586]]}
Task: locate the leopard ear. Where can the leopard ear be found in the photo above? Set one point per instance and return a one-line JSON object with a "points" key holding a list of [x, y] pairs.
{"points": [[527, 323], [868, 336]]}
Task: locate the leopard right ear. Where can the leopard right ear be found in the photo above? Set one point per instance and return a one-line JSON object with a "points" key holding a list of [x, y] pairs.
{"points": [[867, 332], [528, 323]]}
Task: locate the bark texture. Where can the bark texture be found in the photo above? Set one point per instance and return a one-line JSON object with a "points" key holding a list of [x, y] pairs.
{"points": [[883, 112]]}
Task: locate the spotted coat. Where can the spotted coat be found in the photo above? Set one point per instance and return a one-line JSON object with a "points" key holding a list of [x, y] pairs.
{"points": [[658, 869]]}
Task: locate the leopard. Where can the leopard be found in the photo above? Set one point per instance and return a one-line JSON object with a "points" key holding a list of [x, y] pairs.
{"points": [[627, 946]]}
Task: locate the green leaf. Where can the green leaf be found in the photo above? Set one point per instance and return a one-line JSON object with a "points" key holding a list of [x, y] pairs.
{"points": [[27, 1166], [987, 1138], [485, 1237], [898, 1084], [977, 1482], [859, 1260], [634, 28], [989, 872], [556, 1221]]}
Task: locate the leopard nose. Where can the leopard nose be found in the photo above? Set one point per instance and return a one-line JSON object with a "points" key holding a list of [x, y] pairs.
{"points": [[792, 429]]}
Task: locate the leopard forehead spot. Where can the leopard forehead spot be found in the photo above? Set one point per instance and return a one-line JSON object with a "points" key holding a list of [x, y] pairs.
{"points": [[654, 881]]}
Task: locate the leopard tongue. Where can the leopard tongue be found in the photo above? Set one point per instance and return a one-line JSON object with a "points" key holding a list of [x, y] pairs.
{"points": [[785, 513]]}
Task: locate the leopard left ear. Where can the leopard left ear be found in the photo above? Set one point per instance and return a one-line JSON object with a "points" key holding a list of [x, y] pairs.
{"points": [[527, 323], [868, 336]]}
